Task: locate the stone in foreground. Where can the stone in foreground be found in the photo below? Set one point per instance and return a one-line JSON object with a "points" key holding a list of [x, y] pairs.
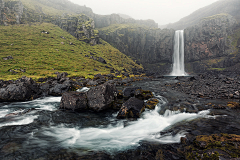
{"points": [[76, 101], [101, 97], [131, 109]]}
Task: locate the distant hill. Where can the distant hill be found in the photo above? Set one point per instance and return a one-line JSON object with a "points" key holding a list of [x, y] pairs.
{"points": [[231, 7], [124, 16]]}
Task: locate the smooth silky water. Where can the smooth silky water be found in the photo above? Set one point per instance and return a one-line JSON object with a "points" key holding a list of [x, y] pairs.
{"points": [[178, 68], [46, 127]]}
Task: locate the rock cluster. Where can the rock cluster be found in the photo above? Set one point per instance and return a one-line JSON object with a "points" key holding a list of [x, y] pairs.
{"points": [[103, 97], [213, 86]]}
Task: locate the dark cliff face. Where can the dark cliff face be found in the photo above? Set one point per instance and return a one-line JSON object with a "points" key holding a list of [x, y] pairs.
{"points": [[209, 38], [10, 12], [80, 26], [208, 45], [148, 46]]}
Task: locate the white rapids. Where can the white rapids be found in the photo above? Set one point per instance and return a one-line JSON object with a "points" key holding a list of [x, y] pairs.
{"points": [[48, 103], [118, 137]]}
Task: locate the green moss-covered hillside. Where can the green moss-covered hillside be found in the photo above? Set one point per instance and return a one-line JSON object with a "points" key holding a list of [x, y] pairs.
{"points": [[40, 50]]}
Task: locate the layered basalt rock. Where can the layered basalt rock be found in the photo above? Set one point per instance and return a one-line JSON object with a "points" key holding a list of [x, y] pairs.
{"points": [[147, 46], [209, 44]]}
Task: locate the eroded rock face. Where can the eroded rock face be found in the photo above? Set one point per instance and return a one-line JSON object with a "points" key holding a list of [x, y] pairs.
{"points": [[208, 39], [101, 97], [131, 109], [148, 46], [76, 101], [208, 44]]}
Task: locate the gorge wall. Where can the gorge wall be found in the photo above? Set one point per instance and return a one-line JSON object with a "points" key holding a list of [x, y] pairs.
{"points": [[208, 45], [151, 47]]}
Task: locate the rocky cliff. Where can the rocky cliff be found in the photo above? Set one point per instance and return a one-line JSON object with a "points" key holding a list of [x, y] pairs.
{"points": [[80, 26], [10, 12], [209, 44], [151, 47], [107, 20]]}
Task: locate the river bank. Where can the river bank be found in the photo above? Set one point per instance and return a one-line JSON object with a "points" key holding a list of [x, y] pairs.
{"points": [[182, 125]]}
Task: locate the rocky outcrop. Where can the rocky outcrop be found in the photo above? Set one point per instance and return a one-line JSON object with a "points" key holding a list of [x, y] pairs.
{"points": [[101, 97], [11, 12], [80, 26], [131, 109], [21, 90], [208, 39], [147, 46], [208, 44], [76, 101]]}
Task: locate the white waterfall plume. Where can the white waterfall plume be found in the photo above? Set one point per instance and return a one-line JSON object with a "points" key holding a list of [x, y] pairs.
{"points": [[178, 55]]}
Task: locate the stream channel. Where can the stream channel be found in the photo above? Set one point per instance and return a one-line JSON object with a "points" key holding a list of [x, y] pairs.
{"points": [[46, 132]]}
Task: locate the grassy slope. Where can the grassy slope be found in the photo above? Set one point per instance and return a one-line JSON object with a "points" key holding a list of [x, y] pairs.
{"points": [[43, 54]]}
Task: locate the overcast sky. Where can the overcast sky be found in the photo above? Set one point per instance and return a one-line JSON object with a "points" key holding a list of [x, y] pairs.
{"points": [[161, 11]]}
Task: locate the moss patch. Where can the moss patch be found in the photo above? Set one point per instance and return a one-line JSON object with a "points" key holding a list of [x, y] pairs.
{"points": [[39, 50]]}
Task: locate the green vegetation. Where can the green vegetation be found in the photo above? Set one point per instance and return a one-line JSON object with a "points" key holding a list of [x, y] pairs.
{"points": [[41, 7], [115, 27], [210, 145], [215, 16], [42, 54], [217, 69]]}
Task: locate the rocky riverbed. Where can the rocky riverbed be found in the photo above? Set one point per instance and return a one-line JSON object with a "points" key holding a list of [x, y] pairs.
{"points": [[159, 118]]}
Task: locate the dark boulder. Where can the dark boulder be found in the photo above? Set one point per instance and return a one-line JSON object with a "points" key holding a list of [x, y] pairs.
{"points": [[129, 91], [21, 90], [92, 83], [131, 109], [142, 94], [76, 101], [151, 103], [100, 59], [59, 89], [101, 97]]}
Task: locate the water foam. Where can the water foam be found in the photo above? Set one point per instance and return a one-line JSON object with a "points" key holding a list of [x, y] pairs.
{"points": [[119, 137], [23, 120]]}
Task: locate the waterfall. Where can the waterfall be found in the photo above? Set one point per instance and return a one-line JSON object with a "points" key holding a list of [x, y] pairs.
{"points": [[178, 55]]}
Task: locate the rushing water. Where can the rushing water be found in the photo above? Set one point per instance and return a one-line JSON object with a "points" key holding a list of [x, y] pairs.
{"points": [[178, 55], [47, 128]]}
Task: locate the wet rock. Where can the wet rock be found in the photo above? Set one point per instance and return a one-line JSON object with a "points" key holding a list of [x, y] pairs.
{"points": [[21, 90], [92, 83], [151, 103], [233, 105], [76, 101], [142, 94], [101, 97], [131, 109], [129, 91], [59, 89]]}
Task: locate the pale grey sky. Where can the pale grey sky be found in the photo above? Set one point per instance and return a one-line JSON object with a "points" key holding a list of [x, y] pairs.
{"points": [[161, 11]]}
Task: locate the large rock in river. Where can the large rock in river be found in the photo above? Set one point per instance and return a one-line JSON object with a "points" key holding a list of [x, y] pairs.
{"points": [[131, 109], [76, 101], [101, 97], [21, 90]]}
